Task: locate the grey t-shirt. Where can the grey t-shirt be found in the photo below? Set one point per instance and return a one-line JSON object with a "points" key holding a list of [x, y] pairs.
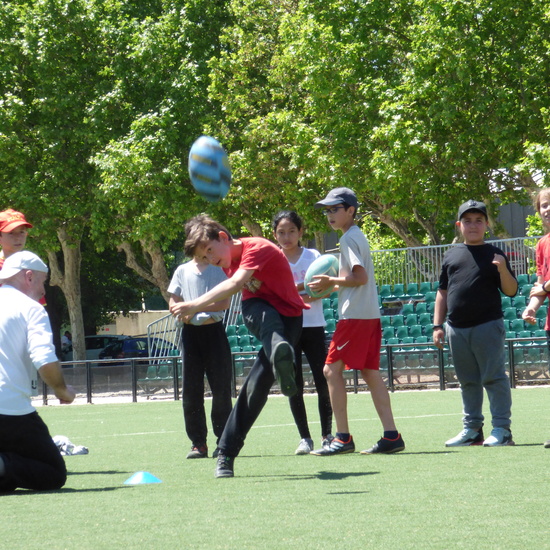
{"points": [[190, 283], [359, 302]]}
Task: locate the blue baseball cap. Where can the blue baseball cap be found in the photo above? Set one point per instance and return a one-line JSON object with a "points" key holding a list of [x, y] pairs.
{"points": [[338, 196]]}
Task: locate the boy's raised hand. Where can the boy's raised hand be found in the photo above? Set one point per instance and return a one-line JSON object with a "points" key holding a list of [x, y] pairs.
{"points": [[499, 261]]}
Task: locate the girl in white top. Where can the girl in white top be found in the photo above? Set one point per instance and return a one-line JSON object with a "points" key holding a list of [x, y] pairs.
{"points": [[288, 230]]}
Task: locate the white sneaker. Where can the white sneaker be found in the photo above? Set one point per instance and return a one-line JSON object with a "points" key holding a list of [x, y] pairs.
{"points": [[465, 438], [305, 447], [499, 437]]}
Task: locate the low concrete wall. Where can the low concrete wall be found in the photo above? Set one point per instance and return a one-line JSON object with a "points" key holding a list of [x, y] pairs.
{"points": [[133, 324]]}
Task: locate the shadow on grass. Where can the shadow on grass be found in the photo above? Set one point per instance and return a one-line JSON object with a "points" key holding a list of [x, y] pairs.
{"points": [[63, 491], [323, 475], [99, 472]]}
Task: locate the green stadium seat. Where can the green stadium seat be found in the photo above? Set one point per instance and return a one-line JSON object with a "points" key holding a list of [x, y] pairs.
{"points": [[510, 334], [525, 290], [533, 278], [520, 302], [525, 334], [151, 372], [407, 309], [510, 313], [411, 319], [402, 332], [430, 307], [407, 340], [242, 330], [542, 312], [245, 340], [424, 287], [388, 332], [385, 291], [233, 341], [412, 292], [425, 319], [506, 302], [519, 356], [398, 291], [397, 320], [385, 321], [329, 313], [165, 372], [523, 279], [231, 330], [540, 333], [392, 341], [421, 307], [415, 331], [430, 296], [517, 325], [331, 326], [422, 343]]}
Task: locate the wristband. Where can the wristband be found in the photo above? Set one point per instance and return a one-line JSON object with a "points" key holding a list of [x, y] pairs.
{"points": [[437, 326], [543, 287]]}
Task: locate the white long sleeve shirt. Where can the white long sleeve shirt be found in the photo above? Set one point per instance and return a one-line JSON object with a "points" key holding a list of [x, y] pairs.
{"points": [[26, 344]]}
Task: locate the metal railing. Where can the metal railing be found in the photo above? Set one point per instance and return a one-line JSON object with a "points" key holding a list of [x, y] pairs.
{"points": [[423, 264]]}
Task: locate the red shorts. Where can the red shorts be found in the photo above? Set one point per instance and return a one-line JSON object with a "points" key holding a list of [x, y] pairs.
{"points": [[357, 343]]}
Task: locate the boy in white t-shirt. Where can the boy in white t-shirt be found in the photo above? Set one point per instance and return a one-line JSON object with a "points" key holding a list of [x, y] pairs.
{"points": [[358, 337]]}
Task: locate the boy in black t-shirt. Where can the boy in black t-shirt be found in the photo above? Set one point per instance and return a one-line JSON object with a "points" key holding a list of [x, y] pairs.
{"points": [[472, 275]]}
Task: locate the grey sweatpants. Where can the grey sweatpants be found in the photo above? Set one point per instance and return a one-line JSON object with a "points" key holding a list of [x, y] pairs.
{"points": [[478, 357]]}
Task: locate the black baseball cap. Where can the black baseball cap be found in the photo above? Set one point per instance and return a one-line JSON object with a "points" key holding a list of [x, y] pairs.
{"points": [[472, 206], [338, 196]]}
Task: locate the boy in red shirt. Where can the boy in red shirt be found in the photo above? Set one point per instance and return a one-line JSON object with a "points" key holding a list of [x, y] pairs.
{"points": [[272, 311]]}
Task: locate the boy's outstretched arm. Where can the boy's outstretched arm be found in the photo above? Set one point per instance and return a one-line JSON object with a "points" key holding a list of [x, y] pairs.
{"points": [[220, 292]]}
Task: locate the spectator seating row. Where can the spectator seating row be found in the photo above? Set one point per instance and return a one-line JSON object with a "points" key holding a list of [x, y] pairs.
{"points": [[415, 319]]}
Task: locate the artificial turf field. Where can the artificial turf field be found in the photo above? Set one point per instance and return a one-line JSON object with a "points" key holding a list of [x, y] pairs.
{"points": [[428, 496]]}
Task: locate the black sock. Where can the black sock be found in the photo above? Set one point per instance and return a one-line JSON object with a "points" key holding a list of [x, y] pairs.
{"points": [[343, 436], [391, 435]]}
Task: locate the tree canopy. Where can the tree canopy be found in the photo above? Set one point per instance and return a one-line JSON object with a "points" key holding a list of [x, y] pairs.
{"points": [[417, 106]]}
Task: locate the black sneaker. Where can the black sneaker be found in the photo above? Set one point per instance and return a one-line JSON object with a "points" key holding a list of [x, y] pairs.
{"points": [[547, 444], [336, 447], [283, 365], [216, 452], [224, 467], [386, 446], [198, 451]]}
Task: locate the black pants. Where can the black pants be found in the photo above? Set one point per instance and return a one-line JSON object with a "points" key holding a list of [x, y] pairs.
{"points": [[205, 351], [270, 327], [312, 344], [31, 457]]}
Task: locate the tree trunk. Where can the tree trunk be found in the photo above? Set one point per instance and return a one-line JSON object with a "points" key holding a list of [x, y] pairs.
{"points": [[68, 280]]}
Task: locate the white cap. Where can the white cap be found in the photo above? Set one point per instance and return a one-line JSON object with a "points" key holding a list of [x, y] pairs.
{"points": [[21, 261]]}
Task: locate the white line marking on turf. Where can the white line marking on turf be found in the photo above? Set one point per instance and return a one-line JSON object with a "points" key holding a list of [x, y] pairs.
{"points": [[363, 420], [265, 426]]}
